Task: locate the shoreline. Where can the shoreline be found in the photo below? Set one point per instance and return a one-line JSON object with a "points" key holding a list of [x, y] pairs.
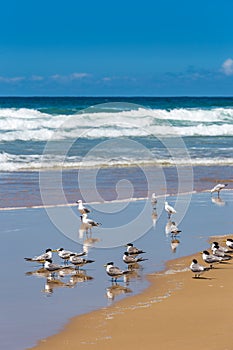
{"points": [[175, 310]]}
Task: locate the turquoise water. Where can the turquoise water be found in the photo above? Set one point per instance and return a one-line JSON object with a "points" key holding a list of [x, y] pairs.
{"points": [[81, 125], [31, 309], [108, 140]]}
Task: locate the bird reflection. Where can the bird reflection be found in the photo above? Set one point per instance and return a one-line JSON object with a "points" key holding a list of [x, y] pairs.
{"points": [[88, 240], [115, 289], [67, 277], [153, 200], [52, 283], [78, 277], [174, 244], [41, 272], [218, 200], [133, 273], [154, 217]]}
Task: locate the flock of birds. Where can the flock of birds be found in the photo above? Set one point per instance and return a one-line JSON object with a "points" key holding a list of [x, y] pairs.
{"points": [[132, 255], [218, 253]]}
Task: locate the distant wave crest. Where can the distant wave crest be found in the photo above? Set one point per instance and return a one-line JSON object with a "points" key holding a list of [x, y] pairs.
{"points": [[33, 125]]}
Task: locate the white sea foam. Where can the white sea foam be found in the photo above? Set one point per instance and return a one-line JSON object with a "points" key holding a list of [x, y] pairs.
{"points": [[29, 124], [11, 162]]}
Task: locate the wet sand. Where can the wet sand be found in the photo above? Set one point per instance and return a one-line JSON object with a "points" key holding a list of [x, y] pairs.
{"points": [[177, 311]]}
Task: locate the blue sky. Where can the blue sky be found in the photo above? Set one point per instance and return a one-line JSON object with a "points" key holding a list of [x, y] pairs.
{"points": [[156, 48]]}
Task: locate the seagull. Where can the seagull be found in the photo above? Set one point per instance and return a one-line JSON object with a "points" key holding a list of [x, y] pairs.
{"points": [[114, 272], [218, 188], [129, 259], [153, 200], [197, 269], [229, 243], [210, 258], [133, 250], [65, 254], [81, 208], [78, 261], [41, 258], [169, 209], [89, 222]]}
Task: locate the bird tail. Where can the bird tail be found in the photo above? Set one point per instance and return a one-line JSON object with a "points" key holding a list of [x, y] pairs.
{"points": [[142, 259], [81, 254], [28, 259]]}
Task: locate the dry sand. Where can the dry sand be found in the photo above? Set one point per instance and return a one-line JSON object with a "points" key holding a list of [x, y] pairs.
{"points": [[177, 311]]}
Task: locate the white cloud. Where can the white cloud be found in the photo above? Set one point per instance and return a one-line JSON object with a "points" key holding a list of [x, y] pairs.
{"points": [[11, 80], [227, 67], [79, 75], [70, 77]]}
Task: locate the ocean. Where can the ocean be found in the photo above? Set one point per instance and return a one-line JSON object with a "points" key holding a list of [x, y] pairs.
{"points": [[114, 139]]}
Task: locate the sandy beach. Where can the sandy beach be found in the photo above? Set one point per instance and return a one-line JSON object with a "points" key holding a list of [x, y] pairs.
{"points": [[177, 311]]}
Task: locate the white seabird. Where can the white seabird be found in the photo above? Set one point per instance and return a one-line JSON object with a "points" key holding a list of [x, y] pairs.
{"points": [[219, 247], [65, 254], [77, 261], [51, 267], [229, 243], [89, 222], [216, 251], [81, 208], [132, 250], [129, 259], [41, 258], [114, 272], [218, 188], [197, 269], [169, 209], [210, 258]]}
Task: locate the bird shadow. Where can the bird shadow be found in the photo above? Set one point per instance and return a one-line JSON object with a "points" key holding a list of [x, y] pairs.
{"points": [[202, 278]]}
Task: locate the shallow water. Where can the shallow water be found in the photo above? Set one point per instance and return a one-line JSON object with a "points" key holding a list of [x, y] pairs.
{"points": [[31, 310]]}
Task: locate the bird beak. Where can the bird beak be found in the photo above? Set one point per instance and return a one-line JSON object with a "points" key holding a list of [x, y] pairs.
{"points": [[54, 250], [105, 265]]}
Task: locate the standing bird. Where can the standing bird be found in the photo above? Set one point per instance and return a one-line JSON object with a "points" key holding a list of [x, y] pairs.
{"points": [[129, 259], [114, 272], [229, 243], [81, 208], [41, 258], [65, 254], [174, 229], [169, 209], [219, 247], [49, 266], [210, 258], [153, 200], [77, 261], [89, 222], [197, 269], [218, 188], [133, 250], [219, 252]]}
